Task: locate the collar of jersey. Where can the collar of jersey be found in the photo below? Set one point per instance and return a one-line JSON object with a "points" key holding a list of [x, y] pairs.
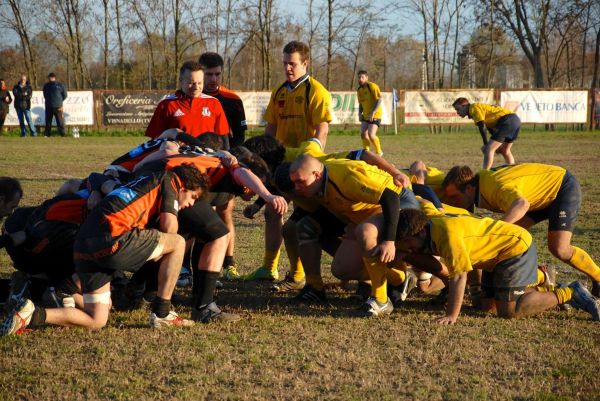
{"points": [[291, 86]]}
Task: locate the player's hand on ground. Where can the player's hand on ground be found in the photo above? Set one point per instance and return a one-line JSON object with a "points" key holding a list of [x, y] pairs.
{"points": [[401, 180], [251, 210], [446, 320], [386, 251], [278, 202]]}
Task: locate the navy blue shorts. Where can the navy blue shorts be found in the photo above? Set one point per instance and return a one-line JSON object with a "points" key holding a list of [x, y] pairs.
{"points": [[563, 210], [507, 129]]}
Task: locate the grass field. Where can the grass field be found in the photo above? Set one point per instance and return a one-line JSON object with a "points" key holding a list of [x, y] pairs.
{"points": [[278, 352]]}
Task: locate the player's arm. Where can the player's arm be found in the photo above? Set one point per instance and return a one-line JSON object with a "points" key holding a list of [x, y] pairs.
{"points": [[390, 206], [377, 106], [14, 239], [482, 132], [247, 178], [270, 129], [400, 179], [516, 211], [456, 293], [321, 131], [168, 223]]}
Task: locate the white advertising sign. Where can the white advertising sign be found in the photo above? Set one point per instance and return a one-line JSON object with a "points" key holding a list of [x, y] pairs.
{"points": [[435, 107], [344, 105], [547, 106], [78, 109]]}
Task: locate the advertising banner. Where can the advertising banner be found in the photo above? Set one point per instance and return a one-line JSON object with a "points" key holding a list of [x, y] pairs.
{"points": [[129, 108], [547, 106], [344, 106], [435, 107], [78, 109]]}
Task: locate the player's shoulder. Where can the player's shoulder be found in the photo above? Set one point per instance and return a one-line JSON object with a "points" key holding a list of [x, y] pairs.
{"points": [[228, 93], [170, 98]]}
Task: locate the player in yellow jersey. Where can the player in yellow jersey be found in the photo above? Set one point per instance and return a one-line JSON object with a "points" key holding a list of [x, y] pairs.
{"points": [[527, 194], [505, 252], [369, 111], [274, 154], [298, 110], [352, 191], [503, 125]]}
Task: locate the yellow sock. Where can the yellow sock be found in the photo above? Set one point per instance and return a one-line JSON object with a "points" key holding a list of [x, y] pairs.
{"points": [[296, 267], [377, 272], [377, 145], [563, 294], [395, 277], [315, 280], [541, 278], [584, 263], [366, 143], [271, 259]]}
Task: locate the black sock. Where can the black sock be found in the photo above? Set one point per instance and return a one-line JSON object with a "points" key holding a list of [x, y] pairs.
{"points": [[207, 282], [38, 318], [161, 307], [228, 261]]}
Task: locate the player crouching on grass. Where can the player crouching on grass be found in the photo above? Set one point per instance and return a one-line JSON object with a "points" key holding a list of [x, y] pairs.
{"points": [[505, 252], [116, 236]]}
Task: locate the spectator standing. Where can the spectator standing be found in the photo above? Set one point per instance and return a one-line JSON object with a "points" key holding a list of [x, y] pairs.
{"points": [[5, 100], [23, 92], [54, 95]]}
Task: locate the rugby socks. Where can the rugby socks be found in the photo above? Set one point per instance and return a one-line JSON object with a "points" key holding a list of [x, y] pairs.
{"points": [[377, 273], [395, 277], [228, 261], [38, 318], [563, 294], [541, 277], [161, 307], [366, 144], [296, 268], [584, 263], [377, 145], [207, 283], [271, 260]]}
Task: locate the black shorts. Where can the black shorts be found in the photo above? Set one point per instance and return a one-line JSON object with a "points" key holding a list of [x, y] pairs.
{"points": [[319, 226], [376, 121], [219, 198], [507, 129], [201, 221], [97, 259], [510, 278], [563, 210]]}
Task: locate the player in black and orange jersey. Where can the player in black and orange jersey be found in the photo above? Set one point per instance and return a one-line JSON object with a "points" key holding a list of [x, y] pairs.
{"points": [[117, 235], [236, 117], [45, 258], [189, 110], [202, 222], [10, 196]]}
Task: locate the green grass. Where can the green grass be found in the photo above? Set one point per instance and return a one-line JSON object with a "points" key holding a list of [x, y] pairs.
{"points": [[288, 353]]}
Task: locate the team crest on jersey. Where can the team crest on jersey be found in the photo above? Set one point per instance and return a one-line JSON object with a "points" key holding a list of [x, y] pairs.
{"points": [[299, 99], [205, 112], [281, 103]]}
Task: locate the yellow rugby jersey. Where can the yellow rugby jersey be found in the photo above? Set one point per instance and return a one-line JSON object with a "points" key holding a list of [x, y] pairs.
{"points": [[311, 147], [500, 187], [466, 242], [296, 112], [430, 210], [352, 189], [368, 96], [487, 113]]}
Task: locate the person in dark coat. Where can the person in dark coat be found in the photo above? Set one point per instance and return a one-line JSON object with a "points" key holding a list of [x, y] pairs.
{"points": [[22, 92], [5, 100], [54, 95]]}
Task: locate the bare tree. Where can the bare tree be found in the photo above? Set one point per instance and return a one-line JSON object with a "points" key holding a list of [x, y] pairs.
{"points": [[22, 29]]}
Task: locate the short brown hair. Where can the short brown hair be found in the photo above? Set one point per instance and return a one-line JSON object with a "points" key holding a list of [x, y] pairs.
{"points": [[460, 101], [460, 176], [296, 46], [211, 60], [192, 66], [410, 223], [9, 188], [363, 72], [192, 178]]}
